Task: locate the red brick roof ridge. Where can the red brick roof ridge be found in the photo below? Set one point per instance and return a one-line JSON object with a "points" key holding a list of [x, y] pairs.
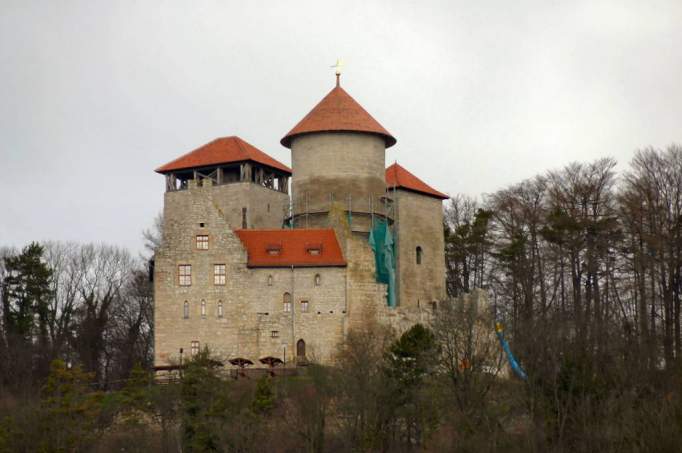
{"points": [[402, 178], [243, 153], [295, 244]]}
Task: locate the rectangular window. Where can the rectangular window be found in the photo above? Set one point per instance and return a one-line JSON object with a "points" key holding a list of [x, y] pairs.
{"points": [[195, 348], [274, 334], [304, 306], [202, 242], [185, 274], [218, 274], [287, 307], [220, 309]]}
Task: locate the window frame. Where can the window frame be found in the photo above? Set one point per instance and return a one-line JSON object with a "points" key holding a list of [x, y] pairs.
{"points": [[203, 243], [184, 275], [305, 306], [287, 303], [219, 278]]}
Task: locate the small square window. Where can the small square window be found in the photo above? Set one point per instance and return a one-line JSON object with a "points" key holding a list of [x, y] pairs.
{"points": [[202, 242], [274, 334], [305, 306], [185, 274], [218, 274]]}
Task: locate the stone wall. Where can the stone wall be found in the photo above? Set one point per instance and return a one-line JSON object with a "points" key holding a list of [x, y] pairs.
{"points": [[419, 223], [252, 302], [339, 163]]}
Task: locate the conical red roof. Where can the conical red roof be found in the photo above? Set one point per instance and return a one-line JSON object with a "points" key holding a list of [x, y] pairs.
{"points": [[222, 150], [338, 112], [398, 177]]}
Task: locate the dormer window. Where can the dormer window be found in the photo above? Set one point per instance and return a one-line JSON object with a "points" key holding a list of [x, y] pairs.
{"points": [[274, 249], [314, 249]]}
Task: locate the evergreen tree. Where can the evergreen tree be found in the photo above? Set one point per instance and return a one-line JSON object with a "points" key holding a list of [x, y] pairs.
{"points": [[26, 297]]}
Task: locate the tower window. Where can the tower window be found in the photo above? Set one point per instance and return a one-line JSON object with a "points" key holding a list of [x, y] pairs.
{"points": [[318, 280], [304, 306], [220, 309], [185, 274], [270, 280], [202, 242], [195, 348], [419, 254], [287, 302], [274, 333], [218, 274], [185, 310], [203, 308]]}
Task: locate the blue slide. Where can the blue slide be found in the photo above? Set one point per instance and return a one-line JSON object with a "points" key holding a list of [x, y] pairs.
{"points": [[510, 357]]}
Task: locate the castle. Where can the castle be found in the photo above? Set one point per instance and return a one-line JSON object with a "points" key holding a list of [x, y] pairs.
{"points": [[252, 271]]}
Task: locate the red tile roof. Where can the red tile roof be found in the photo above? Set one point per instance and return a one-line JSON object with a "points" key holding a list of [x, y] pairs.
{"points": [[284, 248], [222, 150], [338, 112], [397, 176]]}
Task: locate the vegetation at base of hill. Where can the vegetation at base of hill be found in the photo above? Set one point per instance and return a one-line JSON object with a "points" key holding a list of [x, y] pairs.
{"points": [[386, 393], [583, 268]]}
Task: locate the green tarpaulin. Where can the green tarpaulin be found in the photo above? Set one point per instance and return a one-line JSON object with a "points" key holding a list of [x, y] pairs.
{"points": [[381, 241]]}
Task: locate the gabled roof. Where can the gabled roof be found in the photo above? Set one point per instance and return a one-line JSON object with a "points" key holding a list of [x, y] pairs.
{"points": [[338, 112], [398, 177], [285, 248], [222, 150]]}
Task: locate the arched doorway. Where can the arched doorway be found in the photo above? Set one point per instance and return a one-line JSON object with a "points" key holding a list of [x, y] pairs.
{"points": [[300, 351]]}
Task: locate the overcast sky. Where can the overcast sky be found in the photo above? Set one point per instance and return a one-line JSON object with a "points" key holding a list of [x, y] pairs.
{"points": [[96, 94]]}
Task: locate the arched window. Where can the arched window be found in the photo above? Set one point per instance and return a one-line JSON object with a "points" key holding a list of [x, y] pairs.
{"points": [[318, 280], [203, 308], [269, 280], [287, 302], [220, 308], [419, 254], [185, 310]]}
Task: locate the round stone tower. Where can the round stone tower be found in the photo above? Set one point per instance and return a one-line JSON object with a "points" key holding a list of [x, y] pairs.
{"points": [[338, 160]]}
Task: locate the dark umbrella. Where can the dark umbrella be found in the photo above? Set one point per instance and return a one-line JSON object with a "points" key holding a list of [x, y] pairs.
{"points": [[241, 363], [271, 362]]}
